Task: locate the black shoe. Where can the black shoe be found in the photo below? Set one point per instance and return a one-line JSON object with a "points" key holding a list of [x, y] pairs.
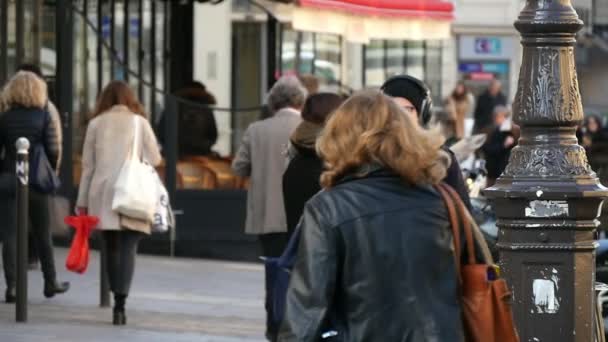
{"points": [[10, 296], [53, 288], [119, 318]]}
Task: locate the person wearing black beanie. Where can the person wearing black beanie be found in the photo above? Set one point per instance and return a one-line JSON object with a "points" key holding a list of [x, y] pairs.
{"points": [[411, 94]]}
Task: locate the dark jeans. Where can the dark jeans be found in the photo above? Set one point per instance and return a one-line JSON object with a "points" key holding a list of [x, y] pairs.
{"points": [[121, 249], [273, 244], [41, 232]]}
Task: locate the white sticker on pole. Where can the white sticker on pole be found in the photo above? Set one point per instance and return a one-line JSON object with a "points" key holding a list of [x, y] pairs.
{"points": [[547, 209]]}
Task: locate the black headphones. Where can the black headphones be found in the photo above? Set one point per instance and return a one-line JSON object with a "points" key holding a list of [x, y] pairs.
{"points": [[427, 102]]}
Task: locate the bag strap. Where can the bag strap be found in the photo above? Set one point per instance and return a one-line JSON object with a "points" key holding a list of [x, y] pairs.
{"points": [[477, 238], [455, 224], [466, 224], [135, 153]]}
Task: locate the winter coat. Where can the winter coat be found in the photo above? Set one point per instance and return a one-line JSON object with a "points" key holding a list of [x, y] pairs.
{"points": [[261, 156], [107, 144], [484, 110], [375, 263], [496, 154], [35, 124], [459, 109], [301, 180]]}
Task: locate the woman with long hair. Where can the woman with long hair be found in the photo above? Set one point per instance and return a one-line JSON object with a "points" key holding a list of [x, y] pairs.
{"points": [[460, 105], [108, 143], [375, 260], [25, 114]]}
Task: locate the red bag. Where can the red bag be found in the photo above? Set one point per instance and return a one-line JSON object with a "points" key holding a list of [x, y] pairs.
{"points": [[78, 257]]}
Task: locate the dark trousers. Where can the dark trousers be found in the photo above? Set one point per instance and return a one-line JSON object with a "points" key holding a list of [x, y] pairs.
{"points": [[273, 244], [41, 232], [121, 249]]}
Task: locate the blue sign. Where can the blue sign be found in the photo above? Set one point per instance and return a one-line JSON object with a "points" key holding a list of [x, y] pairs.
{"points": [[488, 46], [497, 68]]}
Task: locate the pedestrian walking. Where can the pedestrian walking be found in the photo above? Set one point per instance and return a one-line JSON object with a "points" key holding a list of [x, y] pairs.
{"points": [[375, 260], [484, 110], [25, 115], [261, 156], [497, 148], [414, 97], [108, 143], [301, 181], [56, 123], [460, 105]]}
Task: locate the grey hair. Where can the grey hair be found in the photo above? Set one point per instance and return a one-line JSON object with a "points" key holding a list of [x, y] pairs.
{"points": [[287, 92], [501, 109]]}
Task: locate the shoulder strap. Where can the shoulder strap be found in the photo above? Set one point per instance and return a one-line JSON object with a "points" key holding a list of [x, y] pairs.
{"points": [[454, 223], [135, 152], [466, 224]]}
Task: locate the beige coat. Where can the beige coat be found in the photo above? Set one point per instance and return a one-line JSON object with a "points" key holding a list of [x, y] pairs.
{"points": [[262, 156], [107, 145]]}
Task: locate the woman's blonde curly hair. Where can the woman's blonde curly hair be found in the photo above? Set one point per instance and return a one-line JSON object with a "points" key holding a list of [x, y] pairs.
{"points": [[371, 128], [24, 89]]}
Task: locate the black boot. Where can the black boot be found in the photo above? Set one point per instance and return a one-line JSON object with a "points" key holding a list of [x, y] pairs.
{"points": [[10, 296], [51, 288], [119, 318]]}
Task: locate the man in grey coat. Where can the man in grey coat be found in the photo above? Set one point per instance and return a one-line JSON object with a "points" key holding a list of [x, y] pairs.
{"points": [[261, 156]]}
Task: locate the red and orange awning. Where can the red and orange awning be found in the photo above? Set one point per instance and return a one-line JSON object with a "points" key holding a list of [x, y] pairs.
{"points": [[362, 20]]}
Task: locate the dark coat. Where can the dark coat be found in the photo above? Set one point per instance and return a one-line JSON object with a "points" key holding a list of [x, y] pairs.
{"points": [[496, 154], [300, 183], [36, 125], [376, 256], [455, 180], [484, 110]]}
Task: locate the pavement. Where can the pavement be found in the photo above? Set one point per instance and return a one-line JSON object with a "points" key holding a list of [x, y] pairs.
{"points": [[171, 300]]}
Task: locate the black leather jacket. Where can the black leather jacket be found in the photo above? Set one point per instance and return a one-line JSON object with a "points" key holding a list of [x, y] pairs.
{"points": [[375, 264]]}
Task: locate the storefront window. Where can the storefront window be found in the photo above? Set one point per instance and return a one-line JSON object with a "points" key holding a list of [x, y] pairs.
{"points": [[312, 53], [386, 58]]}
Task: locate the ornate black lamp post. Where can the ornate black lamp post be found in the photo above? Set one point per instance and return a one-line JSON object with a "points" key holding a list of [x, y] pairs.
{"points": [[548, 198]]}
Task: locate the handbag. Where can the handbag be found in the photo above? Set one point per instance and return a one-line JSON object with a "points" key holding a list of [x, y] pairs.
{"points": [[42, 175], [164, 220], [78, 256], [135, 191], [485, 297]]}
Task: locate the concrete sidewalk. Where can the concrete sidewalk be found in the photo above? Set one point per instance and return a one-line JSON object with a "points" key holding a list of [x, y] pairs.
{"points": [[171, 300]]}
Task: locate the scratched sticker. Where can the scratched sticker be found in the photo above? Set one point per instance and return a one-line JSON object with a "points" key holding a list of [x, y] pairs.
{"points": [[22, 172], [547, 209], [545, 295]]}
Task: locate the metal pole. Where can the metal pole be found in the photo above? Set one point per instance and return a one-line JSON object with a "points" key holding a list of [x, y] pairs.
{"points": [[20, 31], [140, 50], [547, 199], [171, 132], [65, 85], [153, 61], [99, 46], [22, 172], [271, 52], [104, 283], [126, 37], [3, 41]]}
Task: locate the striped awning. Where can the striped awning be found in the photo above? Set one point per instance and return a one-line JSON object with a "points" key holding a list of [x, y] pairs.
{"points": [[362, 20]]}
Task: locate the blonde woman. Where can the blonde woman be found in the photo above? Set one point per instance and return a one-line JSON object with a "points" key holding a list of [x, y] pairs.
{"points": [[375, 259], [24, 100]]}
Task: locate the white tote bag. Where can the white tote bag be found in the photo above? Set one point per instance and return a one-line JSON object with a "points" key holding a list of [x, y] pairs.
{"points": [[163, 216], [136, 189]]}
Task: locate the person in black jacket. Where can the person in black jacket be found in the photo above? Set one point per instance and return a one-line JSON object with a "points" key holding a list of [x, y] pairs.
{"points": [[497, 148], [414, 97], [302, 178], [24, 99], [484, 109], [375, 260]]}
